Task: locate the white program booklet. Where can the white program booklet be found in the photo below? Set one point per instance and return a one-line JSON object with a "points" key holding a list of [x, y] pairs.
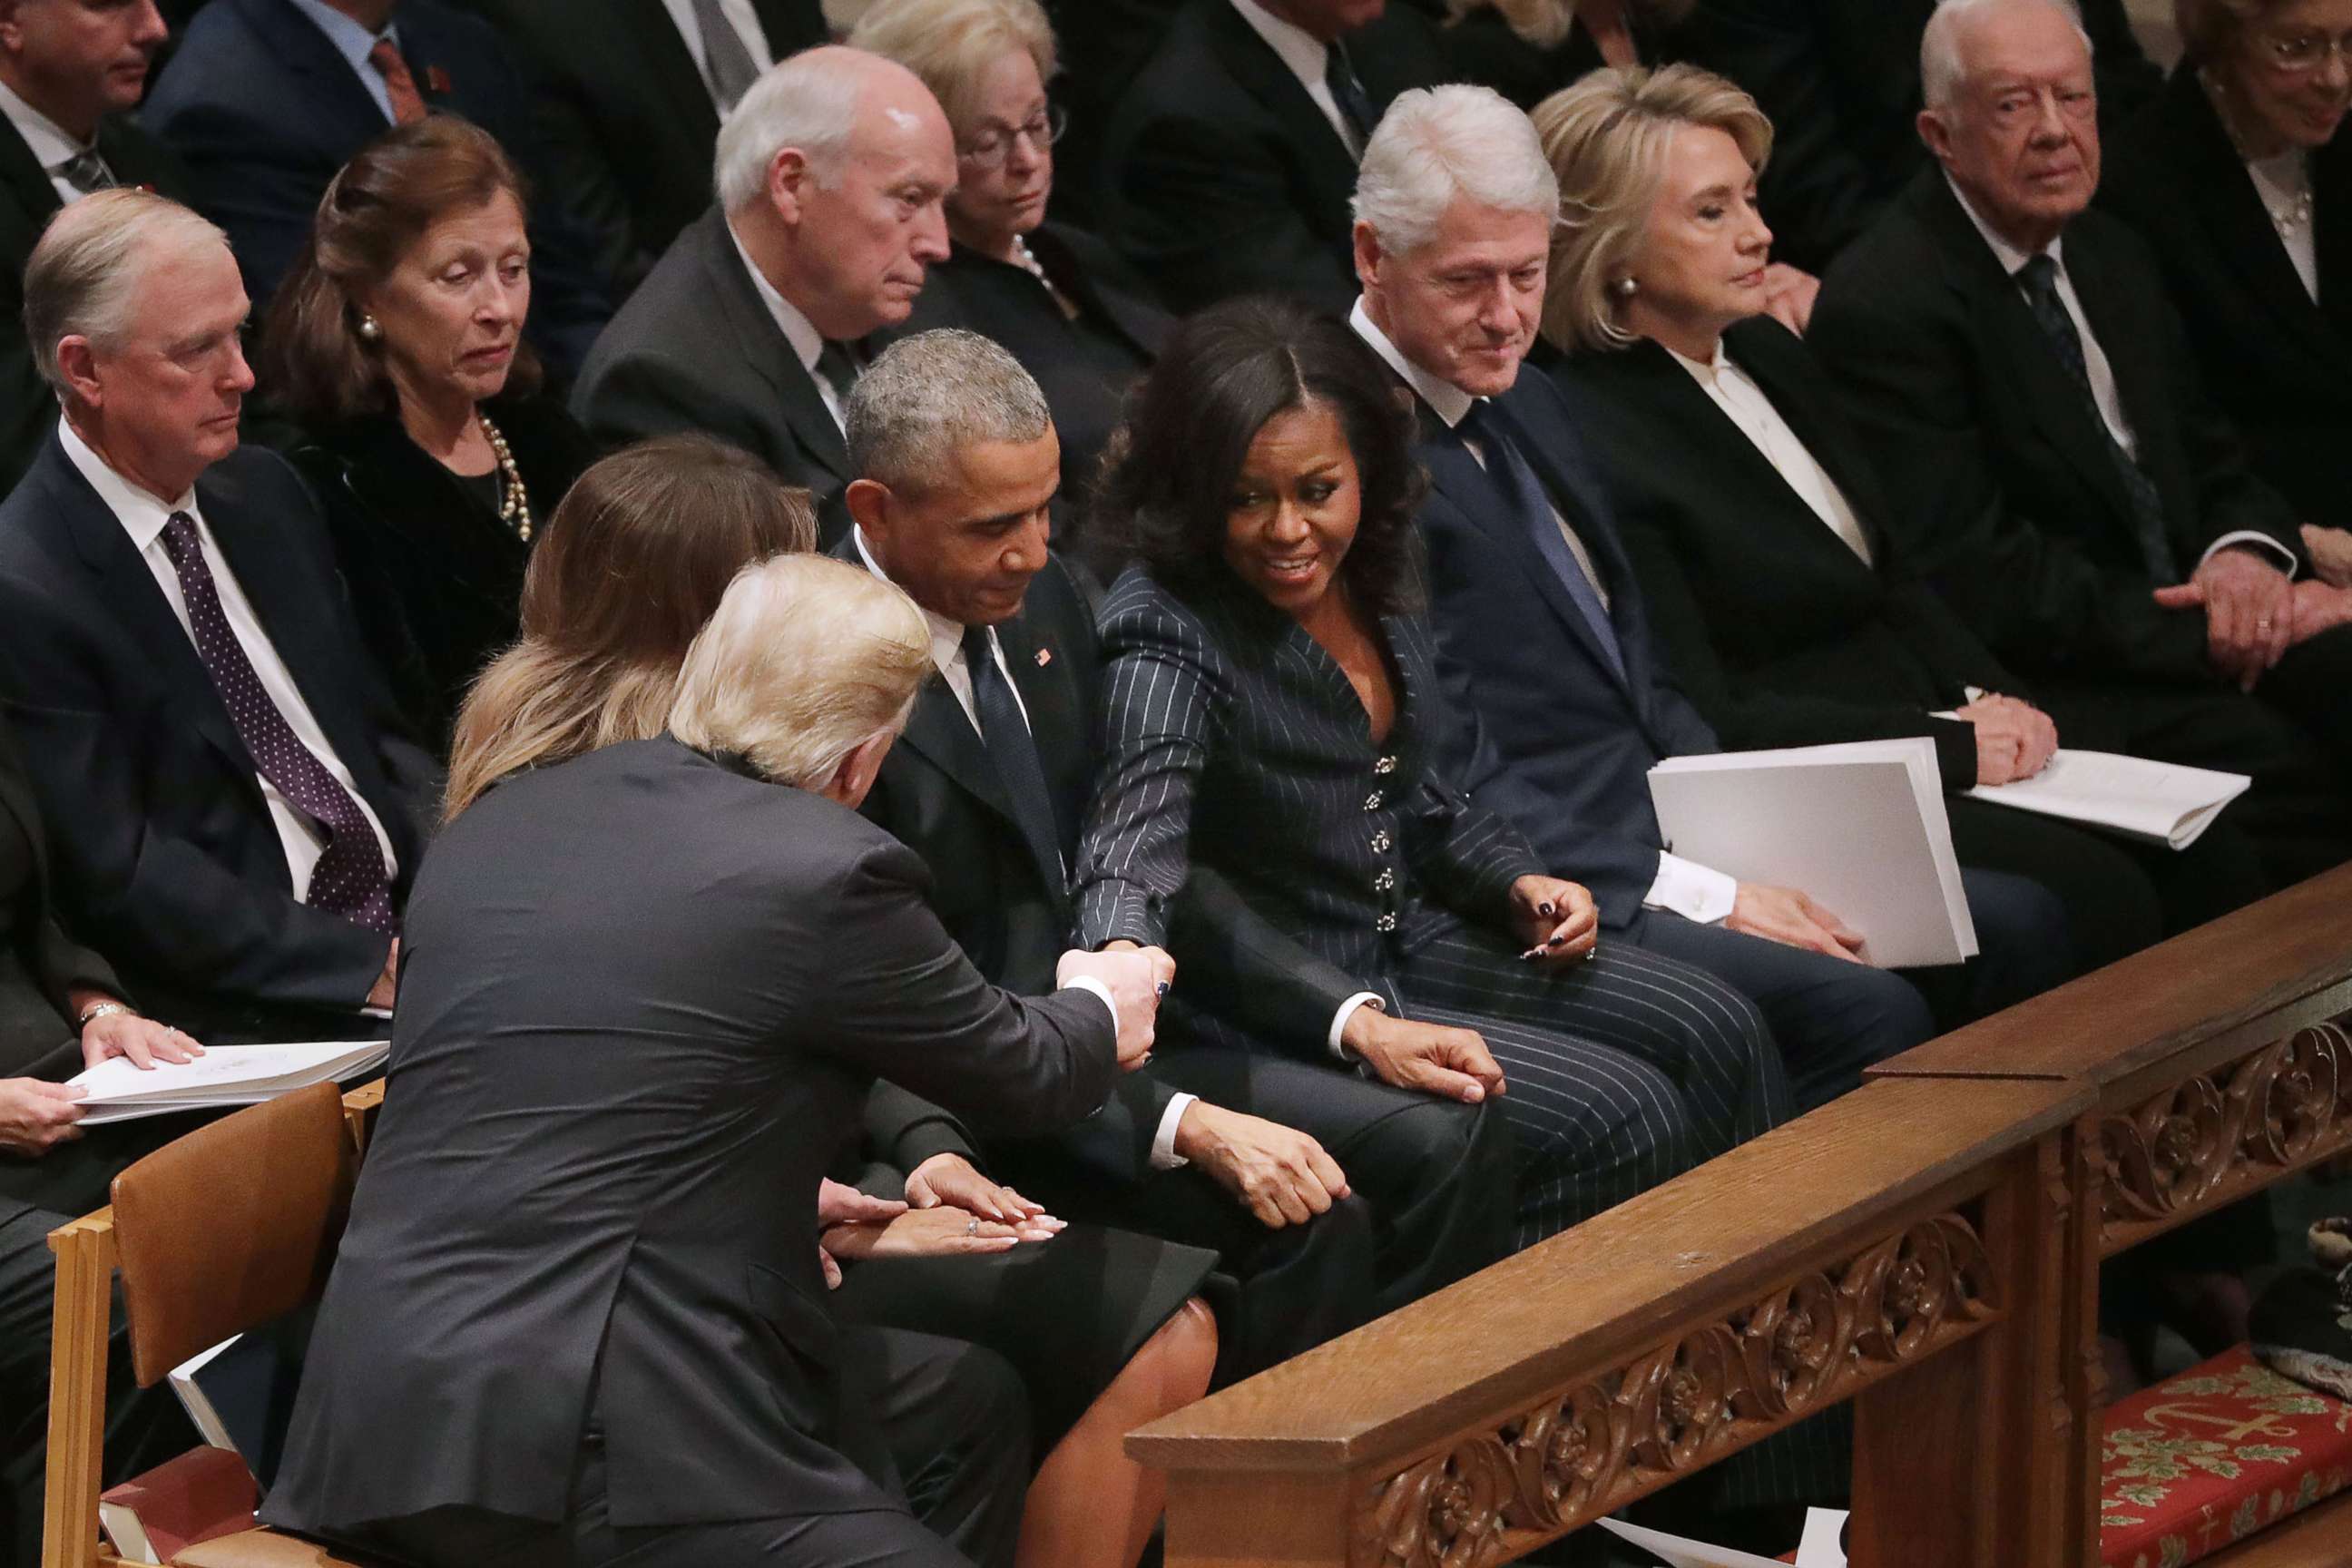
{"points": [[224, 1075], [2157, 802], [1819, 1550], [1860, 827]]}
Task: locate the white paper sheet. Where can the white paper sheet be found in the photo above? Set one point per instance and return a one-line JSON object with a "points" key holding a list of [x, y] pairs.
{"points": [[224, 1075], [2157, 802]]}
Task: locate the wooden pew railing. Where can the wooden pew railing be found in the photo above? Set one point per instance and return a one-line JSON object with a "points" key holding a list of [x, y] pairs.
{"points": [[1926, 1247]]}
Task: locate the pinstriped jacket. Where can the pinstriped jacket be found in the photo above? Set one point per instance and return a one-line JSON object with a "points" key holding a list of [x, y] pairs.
{"points": [[1231, 741]]}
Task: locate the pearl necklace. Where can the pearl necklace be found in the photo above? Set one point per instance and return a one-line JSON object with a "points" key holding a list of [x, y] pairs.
{"points": [[2296, 217], [514, 504]]}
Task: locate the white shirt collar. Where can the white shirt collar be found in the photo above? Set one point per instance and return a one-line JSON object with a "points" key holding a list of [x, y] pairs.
{"points": [[2008, 254], [947, 635], [806, 341], [1704, 369], [1301, 50], [351, 40], [1449, 402], [49, 143], [142, 514]]}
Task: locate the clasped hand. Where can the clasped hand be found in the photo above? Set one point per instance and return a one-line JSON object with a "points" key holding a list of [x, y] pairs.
{"points": [[2250, 612], [1557, 919], [2015, 740], [1137, 978], [851, 1226]]}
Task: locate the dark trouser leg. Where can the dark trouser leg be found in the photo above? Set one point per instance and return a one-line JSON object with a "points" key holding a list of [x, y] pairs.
{"points": [[143, 1427], [2023, 948], [2310, 686], [2110, 906], [957, 1422], [1832, 1018]]}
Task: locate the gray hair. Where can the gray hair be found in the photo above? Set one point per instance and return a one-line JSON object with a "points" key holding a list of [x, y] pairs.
{"points": [[805, 659], [83, 277], [1942, 71], [808, 101], [927, 397], [951, 44], [1437, 144]]}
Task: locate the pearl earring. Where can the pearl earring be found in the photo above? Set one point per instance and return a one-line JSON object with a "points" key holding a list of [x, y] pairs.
{"points": [[369, 328], [1625, 288]]}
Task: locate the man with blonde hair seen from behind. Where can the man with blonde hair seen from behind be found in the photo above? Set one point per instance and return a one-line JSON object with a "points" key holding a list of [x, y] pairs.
{"points": [[831, 171]]}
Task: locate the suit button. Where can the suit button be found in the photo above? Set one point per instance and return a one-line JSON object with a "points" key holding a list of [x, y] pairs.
{"points": [[1380, 842], [1384, 882], [1386, 923], [1375, 801], [1385, 765]]}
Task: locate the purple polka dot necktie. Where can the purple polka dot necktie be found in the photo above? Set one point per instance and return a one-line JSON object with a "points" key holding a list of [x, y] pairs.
{"points": [[348, 878]]}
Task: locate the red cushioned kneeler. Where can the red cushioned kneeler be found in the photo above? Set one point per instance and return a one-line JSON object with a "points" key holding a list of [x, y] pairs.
{"points": [[2210, 1457]]}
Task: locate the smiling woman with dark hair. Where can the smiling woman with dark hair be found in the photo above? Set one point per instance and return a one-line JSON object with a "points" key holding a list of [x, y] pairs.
{"points": [[1271, 713]]}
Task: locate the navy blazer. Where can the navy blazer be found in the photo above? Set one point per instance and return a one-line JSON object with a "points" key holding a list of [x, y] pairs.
{"points": [[165, 854], [1572, 740], [265, 111]]}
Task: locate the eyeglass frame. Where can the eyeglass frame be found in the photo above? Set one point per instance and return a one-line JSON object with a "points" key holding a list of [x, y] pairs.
{"points": [[1042, 137], [2324, 47]]}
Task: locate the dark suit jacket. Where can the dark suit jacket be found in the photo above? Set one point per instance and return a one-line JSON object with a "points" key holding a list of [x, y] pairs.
{"points": [[265, 111], [435, 577], [1225, 179], [1841, 81], [1572, 741], [721, 968], [28, 409], [696, 349], [1232, 743], [164, 851], [624, 122], [2029, 532], [1781, 633], [2273, 360]]}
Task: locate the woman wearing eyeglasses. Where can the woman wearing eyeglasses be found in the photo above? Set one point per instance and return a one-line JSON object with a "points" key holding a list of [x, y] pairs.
{"points": [[2240, 182], [1057, 298]]}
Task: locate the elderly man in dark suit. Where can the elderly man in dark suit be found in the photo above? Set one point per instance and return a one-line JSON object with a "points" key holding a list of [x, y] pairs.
{"points": [[831, 175], [267, 100], [626, 1138], [1332, 1199], [627, 109], [235, 812], [2096, 521], [1231, 157], [68, 71]]}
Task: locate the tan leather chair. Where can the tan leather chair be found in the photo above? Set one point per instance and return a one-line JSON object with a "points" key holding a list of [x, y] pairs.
{"points": [[215, 1233]]}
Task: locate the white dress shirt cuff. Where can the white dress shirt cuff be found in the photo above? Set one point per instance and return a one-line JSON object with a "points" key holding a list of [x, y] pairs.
{"points": [[1347, 1011], [1694, 892], [2248, 536], [1164, 1144], [1088, 983]]}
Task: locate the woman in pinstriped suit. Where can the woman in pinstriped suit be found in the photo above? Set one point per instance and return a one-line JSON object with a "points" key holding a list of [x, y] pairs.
{"points": [[1271, 713]]}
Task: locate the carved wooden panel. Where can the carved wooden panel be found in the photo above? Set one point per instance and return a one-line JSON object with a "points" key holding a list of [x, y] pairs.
{"points": [[1587, 1449], [2218, 1136]]}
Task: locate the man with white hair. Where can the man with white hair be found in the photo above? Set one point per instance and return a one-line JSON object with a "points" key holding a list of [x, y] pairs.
{"points": [[831, 172], [2089, 511], [235, 810]]}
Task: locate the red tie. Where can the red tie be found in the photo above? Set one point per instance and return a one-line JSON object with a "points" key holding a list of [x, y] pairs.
{"points": [[408, 107]]}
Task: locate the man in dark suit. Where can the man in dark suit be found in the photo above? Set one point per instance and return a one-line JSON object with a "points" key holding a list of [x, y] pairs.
{"points": [[1231, 157], [627, 109], [1840, 80], [626, 1139], [959, 465], [234, 813], [2092, 517], [267, 100], [68, 71], [749, 328]]}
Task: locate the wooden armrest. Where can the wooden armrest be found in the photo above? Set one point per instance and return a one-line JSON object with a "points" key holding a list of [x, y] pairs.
{"points": [[360, 1108], [84, 1302]]}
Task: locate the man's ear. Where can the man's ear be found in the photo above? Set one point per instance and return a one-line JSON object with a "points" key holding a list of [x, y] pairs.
{"points": [[868, 501], [1935, 133], [1368, 256], [77, 363], [12, 26], [856, 773], [788, 184]]}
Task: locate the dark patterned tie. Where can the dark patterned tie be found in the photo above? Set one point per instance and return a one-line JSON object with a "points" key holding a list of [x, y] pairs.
{"points": [[1524, 493], [733, 69], [399, 85], [1010, 747], [2039, 278], [837, 366], [1347, 92], [348, 878], [86, 172]]}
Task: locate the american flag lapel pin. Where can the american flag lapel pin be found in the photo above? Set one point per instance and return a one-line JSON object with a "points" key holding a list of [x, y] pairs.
{"points": [[436, 80], [1045, 657]]}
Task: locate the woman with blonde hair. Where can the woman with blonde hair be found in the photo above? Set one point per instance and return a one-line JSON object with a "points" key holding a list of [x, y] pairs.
{"points": [[1102, 1324]]}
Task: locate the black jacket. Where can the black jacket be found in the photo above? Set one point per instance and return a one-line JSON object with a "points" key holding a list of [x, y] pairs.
{"points": [[719, 967], [2273, 360], [1224, 178], [165, 852], [2025, 525], [434, 575], [1779, 632], [27, 201]]}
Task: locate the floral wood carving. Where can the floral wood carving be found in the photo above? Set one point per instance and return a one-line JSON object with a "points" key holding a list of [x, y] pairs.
{"points": [[1589, 1448], [2227, 1130]]}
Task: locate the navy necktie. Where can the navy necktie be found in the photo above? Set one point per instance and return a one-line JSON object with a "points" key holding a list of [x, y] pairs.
{"points": [[1348, 91], [2039, 276], [86, 172], [348, 878], [1010, 747], [1532, 510]]}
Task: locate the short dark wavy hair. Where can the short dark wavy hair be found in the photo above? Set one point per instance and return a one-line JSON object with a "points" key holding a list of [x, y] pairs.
{"points": [[1169, 472]]}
